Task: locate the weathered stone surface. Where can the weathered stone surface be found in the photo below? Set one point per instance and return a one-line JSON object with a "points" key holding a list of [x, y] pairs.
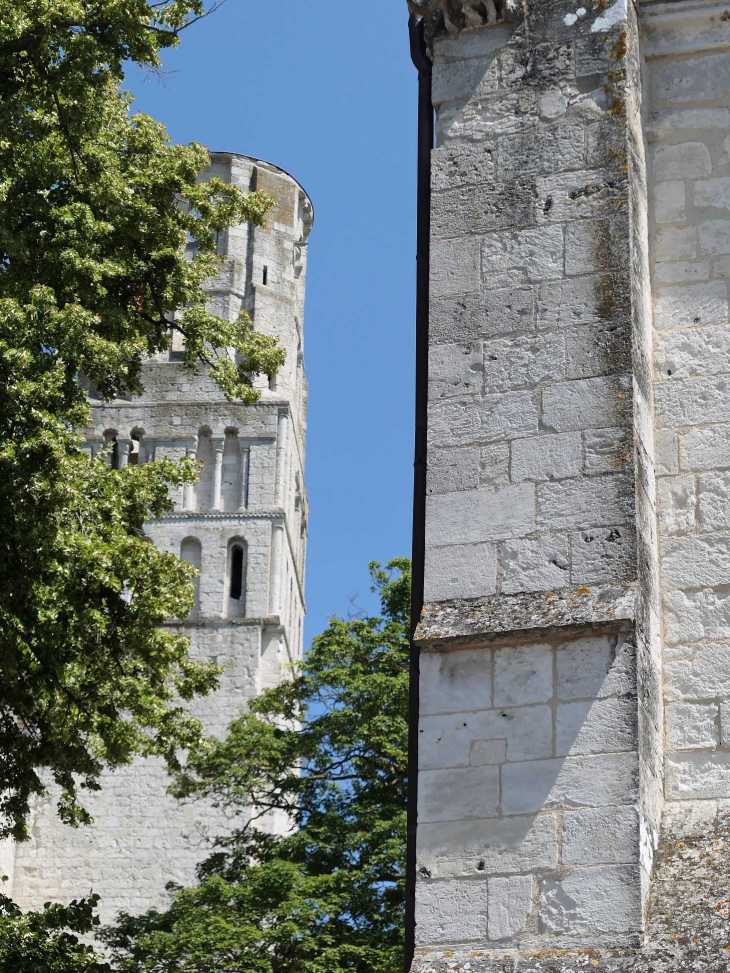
{"points": [[460, 571], [455, 469], [534, 565], [547, 457], [607, 836], [482, 515], [458, 793], [452, 911], [523, 362], [455, 370], [596, 726], [581, 503], [693, 726], [485, 420], [592, 781], [523, 674], [589, 403], [601, 899], [456, 680], [510, 904], [523, 255], [686, 307]]}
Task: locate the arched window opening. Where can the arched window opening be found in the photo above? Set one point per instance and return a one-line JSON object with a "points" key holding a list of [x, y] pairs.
{"points": [[237, 572], [190, 551], [136, 452], [237, 560], [110, 439]]}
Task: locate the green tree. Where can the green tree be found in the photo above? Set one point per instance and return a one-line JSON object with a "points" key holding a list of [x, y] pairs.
{"points": [[49, 941], [328, 750], [96, 208]]}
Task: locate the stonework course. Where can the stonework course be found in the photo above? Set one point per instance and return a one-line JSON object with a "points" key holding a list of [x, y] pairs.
{"points": [[243, 525], [575, 637]]}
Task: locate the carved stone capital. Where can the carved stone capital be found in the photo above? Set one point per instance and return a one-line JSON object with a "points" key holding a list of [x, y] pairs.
{"points": [[458, 15]]}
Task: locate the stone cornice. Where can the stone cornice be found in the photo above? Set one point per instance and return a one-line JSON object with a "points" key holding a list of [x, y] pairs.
{"points": [[684, 26], [452, 624], [461, 15], [204, 517]]}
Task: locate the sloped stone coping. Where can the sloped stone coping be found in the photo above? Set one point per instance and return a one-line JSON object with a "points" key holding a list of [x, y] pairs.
{"points": [[500, 616]]}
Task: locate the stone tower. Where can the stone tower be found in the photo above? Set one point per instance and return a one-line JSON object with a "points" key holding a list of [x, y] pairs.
{"points": [[244, 525], [574, 735]]}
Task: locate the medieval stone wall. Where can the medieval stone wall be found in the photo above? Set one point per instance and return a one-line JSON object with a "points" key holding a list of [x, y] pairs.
{"points": [[251, 495]]}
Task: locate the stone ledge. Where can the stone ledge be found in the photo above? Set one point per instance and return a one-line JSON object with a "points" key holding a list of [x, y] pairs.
{"points": [[451, 623]]}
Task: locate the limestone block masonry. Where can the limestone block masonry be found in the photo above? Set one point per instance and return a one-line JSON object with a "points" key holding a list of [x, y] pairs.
{"points": [[244, 525], [575, 638]]}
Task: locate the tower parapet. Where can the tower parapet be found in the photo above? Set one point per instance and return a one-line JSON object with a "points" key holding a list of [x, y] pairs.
{"points": [[243, 525]]}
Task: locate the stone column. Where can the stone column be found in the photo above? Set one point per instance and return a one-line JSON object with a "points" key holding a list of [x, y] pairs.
{"points": [[245, 463], [281, 438], [537, 739], [124, 446], [277, 568], [217, 498], [188, 499]]}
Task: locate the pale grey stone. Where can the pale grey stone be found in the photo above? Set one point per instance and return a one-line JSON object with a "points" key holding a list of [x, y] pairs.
{"points": [[457, 165], [595, 667], [664, 124], [523, 362], [480, 515], [670, 202], [596, 726], [583, 301], [523, 674], [589, 403], [689, 616], [714, 508], [558, 149], [607, 450], [601, 836], [530, 255], [602, 899], [692, 726], [486, 420], [666, 444], [493, 205], [682, 272], [476, 43], [676, 501], [577, 195], [534, 565], [455, 267], [692, 402], [700, 351], [510, 904], [590, 502], [693, 79], [494, 845], [683, 307], [454, 469], [715, 236], [547, 457], [695, 562], [592, 246], [705, 674], [688, 160], [705, 448], [487, 752], [455, 681], [597, 350], [468, 318], [713, 192], [451, 911], [450, 795], [494, 465], [448, 740], [591, 781], [675, 243], [464, 79], [460, 571], [455, 370], [697, 776]]}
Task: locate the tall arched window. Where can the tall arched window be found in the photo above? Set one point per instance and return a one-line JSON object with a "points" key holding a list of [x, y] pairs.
{"points": [[237, 557], [110, 439], [191, 552]]}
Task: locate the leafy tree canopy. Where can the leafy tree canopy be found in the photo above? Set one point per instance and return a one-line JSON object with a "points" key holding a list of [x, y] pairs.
{"points": [[49, 941], [326, 749], [96, 208]]}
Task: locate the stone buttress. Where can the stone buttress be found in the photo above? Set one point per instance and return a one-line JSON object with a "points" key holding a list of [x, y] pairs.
{"points": [[574, 730], [244, 525]]}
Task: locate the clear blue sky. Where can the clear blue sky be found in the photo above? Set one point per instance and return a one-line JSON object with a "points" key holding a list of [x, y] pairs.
{"points": [[326, 90]]}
